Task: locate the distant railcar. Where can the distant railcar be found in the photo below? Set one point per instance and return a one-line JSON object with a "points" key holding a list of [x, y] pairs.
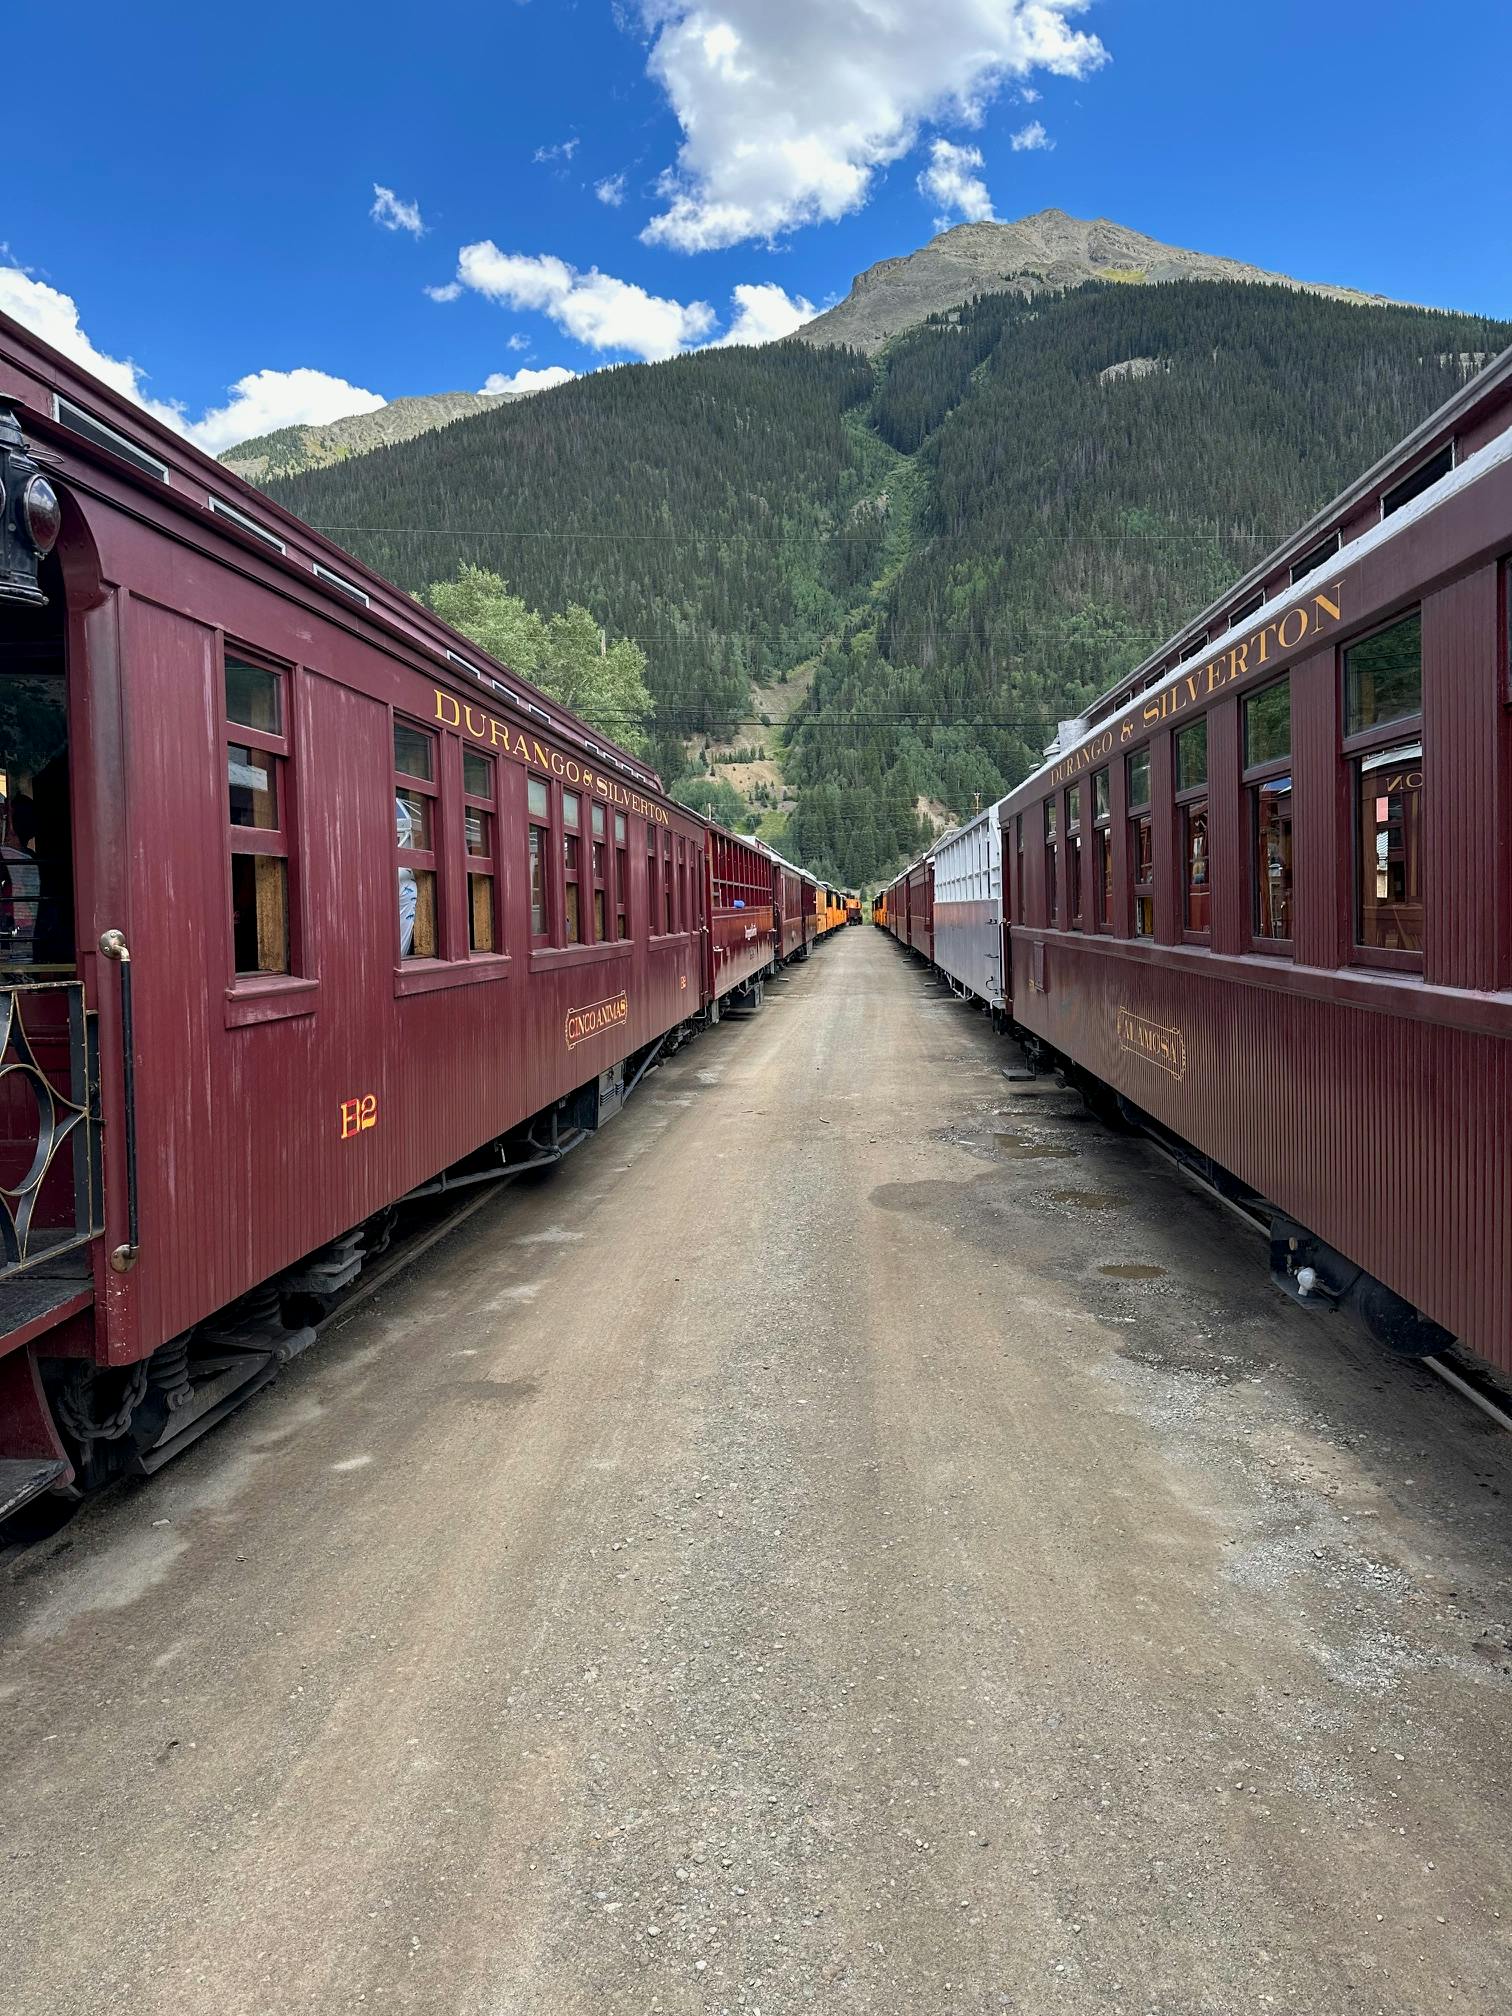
{"points": [[968, 910], [742, 936]]}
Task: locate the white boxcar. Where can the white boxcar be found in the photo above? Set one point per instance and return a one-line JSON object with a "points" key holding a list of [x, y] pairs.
{"points": [[968, 913]]}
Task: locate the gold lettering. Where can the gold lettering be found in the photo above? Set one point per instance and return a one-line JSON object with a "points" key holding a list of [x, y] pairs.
{"points": [[1240, 656], [445, 700], [493, 734], [1289, 643], [1264, 653], [474, 727], [541, 757], [1321, 601]]}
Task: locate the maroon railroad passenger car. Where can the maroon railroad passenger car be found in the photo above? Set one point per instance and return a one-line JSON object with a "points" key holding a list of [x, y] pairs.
{"points": [[793, 905], [1265, 890], [302, 902], [742, 931], [921, 908]]}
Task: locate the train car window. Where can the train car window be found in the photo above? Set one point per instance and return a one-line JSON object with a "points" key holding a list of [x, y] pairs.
{"points": [[1050, 889], [653, 883], [1141, 842], [1389, 851], [415, 837], [572, 868], [538, 797], [1267, 726], [1192, 815], [600, 866], [1414, 485], [1268, 784], [478, 839], [1383, 691], [1319, 556], [1074, 854], [621, 875], [1191, 757], [1102, 851], [257, 757], [1383, 676]]}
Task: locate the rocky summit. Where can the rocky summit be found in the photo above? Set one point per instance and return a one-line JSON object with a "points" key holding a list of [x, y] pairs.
{"points": [[1049, 250]]}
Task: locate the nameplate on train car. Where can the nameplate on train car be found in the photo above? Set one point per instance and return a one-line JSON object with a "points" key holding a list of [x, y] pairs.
{"points": [[596, 1018], [1247, 655], [1165, 1048], [493, 733]]}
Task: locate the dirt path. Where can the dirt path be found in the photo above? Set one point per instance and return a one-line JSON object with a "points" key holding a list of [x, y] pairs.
{"points": [[771, 1566]]}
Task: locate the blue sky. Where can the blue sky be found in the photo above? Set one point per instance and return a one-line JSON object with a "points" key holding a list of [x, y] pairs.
{"points": [[207, 213]]}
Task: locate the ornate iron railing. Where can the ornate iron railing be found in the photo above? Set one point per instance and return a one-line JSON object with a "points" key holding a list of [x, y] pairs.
{"points": [[50, 1186]]}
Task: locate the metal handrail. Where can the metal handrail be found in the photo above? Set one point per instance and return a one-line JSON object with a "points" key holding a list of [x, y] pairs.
{"points": [[113, 946]]}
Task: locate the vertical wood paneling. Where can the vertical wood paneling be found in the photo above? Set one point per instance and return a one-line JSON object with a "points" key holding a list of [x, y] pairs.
{"points": [[1384, 1136], [1318, 869], [1228, 836], [1465, 785]]}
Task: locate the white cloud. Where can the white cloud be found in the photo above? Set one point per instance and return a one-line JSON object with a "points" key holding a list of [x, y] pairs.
{"points": [[788, 107], [516, 342], [55, 318], [265, 400], [447, 293], [765, 312], [526, 380], [563, 151], [949, 181], [1028, 95], [596, 310], [611, 190], [1032, 139], [259, 402], [394, 214]]}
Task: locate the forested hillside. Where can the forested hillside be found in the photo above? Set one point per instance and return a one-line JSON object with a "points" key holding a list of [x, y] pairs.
{"points": [[951, 547]]}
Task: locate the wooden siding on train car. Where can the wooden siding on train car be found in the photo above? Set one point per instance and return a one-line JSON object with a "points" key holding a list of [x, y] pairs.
{"points": [[1372, 1104], [242, 1082]]}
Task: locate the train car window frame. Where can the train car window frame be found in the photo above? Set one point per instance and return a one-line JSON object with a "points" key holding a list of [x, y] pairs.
{"points": [[622, 913], [653, 882], [480, 817], [417, 862], [1102, 850], [1052, 893], [270, 879], [1385, 747], [1266, 779], [1193, 809], [600, 871], [574, 916], [540, 858], [668, 888], [1141, 821], [1073, 827]]}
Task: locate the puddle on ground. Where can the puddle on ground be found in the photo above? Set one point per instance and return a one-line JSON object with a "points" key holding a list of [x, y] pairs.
{"points": [[1088, 1200], [1132, 1270], [1031, 1151]]}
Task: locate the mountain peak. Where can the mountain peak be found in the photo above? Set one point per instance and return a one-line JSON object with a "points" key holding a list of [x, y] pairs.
{"points": [[1050, 249]]}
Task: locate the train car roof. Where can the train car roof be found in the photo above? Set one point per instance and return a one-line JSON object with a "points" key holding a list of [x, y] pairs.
{"points": [[67, 409], [1493, 455], [1485, 399]]}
